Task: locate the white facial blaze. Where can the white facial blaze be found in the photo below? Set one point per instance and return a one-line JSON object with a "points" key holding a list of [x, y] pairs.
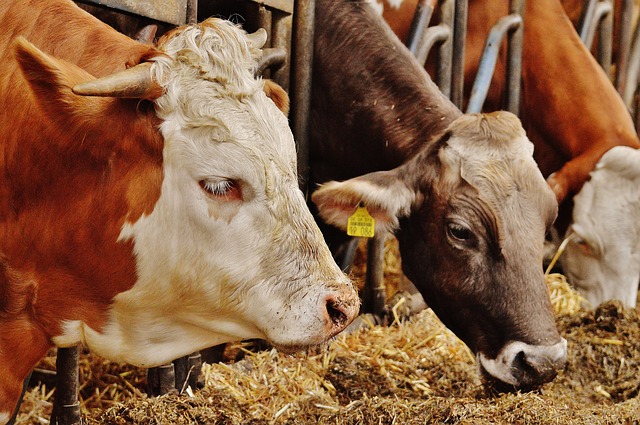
{"points": [[213, 269]]}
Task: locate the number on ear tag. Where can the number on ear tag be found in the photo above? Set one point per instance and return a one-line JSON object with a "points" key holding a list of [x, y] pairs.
{"points": [[361, 224]]}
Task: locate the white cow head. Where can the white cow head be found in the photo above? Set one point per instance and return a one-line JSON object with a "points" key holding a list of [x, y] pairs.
{"points": [[602, 256], [230, 250]]}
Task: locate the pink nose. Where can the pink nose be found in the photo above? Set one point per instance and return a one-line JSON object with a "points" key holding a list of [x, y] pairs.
{"points": [[342, 308]]}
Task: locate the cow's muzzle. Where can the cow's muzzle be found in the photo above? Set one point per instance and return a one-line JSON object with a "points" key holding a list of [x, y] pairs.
{"points": [[524, 367]]}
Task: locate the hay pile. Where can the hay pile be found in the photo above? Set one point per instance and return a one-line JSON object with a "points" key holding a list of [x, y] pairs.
{"points": [[412, 372]]}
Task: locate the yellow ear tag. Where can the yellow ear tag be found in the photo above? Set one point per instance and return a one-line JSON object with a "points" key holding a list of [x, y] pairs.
{"points": [[361, 224]]}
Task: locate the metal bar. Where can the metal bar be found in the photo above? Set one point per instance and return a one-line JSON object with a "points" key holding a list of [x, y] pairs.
{"points": [[444, 55], [265, 20], [600, 12], [192, 11], [457, 62], [633, 72], [195, 370], [437, 34], [166, 378], [66, 407], [181, 373], [515, 36], [419, 25], [625, 33], [488, 61], [271, 58], [303, 19], [374, 296], [605, 35], [282, 40], [585, 22]]}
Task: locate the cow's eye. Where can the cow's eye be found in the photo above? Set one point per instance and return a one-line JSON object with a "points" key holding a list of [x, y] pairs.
{"points": [[221, 189], [459, 232]]}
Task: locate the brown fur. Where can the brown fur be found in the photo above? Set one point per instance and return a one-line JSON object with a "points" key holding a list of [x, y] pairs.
{"points": [[72, 170]]}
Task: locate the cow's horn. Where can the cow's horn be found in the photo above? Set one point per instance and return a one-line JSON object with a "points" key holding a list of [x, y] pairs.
{"points": [[258, 38], [132, 83]]}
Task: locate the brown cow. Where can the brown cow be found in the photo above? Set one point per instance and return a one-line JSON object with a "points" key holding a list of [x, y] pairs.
{"points": [[573, 115], [148, 230], [468, 204]]}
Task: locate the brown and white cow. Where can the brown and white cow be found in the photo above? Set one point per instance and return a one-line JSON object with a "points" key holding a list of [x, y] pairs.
{"points": [[573, 115], [148, 230], [463, 193]]}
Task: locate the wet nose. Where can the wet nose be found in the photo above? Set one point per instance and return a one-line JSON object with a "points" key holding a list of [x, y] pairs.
{"points": [[341, 308], [526, 366]]}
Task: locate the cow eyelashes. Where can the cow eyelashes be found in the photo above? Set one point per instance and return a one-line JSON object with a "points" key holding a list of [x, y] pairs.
{"points": [[459, 232], [221, 189]]}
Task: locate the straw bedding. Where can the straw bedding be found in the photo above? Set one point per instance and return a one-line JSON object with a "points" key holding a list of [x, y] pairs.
{"points": [[413, 371]]}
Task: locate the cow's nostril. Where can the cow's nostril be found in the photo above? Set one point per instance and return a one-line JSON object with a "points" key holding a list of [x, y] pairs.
{"points": [[335, 310]]}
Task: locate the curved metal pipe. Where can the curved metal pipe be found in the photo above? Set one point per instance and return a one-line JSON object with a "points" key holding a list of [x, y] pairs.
{"points": [[419, 25], [633, 72], [586, 21], [489, 58], [600, 12], [271, 57], [432, 36]]}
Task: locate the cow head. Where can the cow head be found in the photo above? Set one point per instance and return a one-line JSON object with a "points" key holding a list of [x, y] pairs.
{"points": [[472, 211], [602, 256], [227, 248]]}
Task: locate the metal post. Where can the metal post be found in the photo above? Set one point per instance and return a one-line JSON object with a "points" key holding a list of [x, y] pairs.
{"points": [[374, 296], [457, 63], [281, 38], [514, 58], [192, 11], [445, 52], [66, 407], [419, 25], [304, 16], [625, 32], [488, 62], [604, 17], [195, 369]]}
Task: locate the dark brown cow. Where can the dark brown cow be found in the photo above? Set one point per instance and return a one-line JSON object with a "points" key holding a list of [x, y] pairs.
{"points": [[469, 206], [148, 230]]}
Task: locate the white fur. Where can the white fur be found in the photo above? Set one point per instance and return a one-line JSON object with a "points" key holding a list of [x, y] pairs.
{"points": [[4, 417], [210, 270], [602, 258], [549, 356]]}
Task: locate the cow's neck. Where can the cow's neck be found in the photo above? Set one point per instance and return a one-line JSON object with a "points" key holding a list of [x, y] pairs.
{"points": [[373, 104]]}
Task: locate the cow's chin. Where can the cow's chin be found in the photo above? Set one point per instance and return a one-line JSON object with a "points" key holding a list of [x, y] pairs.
{"points": [[291, 347], [522, 381]]}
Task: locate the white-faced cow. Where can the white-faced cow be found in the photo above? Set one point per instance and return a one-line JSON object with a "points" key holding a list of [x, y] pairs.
{"points": [[469, 205], [148, 230], [604, 245]]}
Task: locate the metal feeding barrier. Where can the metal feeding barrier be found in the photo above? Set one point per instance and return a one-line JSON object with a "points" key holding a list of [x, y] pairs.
{"points": [[438, 26]]}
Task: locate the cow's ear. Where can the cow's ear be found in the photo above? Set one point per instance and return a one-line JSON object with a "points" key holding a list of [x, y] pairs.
{"points": [[278, 95], [385, 196], [51, 80]]}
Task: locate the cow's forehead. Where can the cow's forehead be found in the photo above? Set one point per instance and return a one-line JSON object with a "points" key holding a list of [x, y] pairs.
{"points": [[251, 141]]}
